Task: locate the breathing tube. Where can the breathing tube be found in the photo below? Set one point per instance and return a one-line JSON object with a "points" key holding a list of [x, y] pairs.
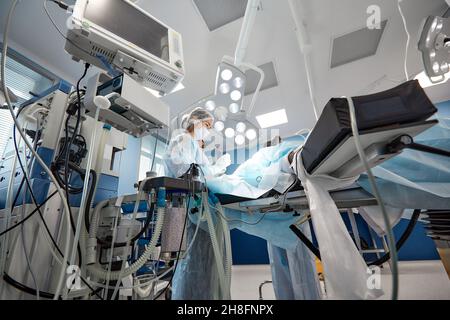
{"points": [[224, 275], [228, 255], [98, 271]]}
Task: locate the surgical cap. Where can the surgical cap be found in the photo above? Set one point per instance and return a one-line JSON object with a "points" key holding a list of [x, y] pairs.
{"points": [[198, 114]]}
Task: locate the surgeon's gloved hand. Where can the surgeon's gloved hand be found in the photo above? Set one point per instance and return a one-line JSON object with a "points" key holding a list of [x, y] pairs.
{"points": [[222, 164]]}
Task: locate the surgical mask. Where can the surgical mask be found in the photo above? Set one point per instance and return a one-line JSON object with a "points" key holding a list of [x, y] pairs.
{"points": [[201, 134]]}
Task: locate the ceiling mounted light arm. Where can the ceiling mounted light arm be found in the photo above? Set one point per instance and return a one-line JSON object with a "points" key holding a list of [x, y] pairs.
{"points": [[247, 26], [305, 47], [258, 88]]}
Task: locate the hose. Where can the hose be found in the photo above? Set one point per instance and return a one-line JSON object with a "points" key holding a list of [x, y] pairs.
{"points": [[101, 273], [216, 249], [35, 154], [85, 195], [376, 192], [228, 254], [144, 292], [161, 204]]}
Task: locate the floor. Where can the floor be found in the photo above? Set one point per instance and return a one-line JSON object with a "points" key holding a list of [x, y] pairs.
{"points": [[422, 280]]}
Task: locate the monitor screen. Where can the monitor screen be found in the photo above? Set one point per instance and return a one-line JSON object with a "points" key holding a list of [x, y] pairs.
{"points": [[128, 23]]}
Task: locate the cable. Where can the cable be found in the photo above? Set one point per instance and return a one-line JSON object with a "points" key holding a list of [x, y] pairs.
{"points": [[58, 29], [146, 284], [22, 229], [375, 191], [154, 151], [89, 200], [408, 38], [27, 258], [147, 223], [446, 13], [61, 4], [50, 235], [29, 216], [412, 223], [305, 241], [25, 288], [36, 155], [30, 189]]}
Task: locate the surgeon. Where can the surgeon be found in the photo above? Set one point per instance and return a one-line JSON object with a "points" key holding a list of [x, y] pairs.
{"points": [[292, 264], [196, 277], [187, 147]]}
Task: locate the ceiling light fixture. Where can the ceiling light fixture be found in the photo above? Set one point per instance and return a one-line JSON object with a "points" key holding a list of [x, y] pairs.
{"points": [[219, 126], [210, 105], [240, 127], [229, 133], [272, 119], [251, 134], [240, 140]]}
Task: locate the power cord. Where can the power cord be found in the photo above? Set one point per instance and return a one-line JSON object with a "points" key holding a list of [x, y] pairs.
{"points": [[407, 41], [376, 192], [61, 4], [38, 207]]}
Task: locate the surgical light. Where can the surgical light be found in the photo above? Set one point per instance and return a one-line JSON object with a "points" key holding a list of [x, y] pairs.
{"points": [[210, 105], [238, 82], [234, 108], [240, 140], [251, 134], [226, 75], [236, 95], [230, 86], [221, 113], [240, 127], [434, 44], [229, 133], [436, 67], [224, 88], [219, 126], [425, 81]]}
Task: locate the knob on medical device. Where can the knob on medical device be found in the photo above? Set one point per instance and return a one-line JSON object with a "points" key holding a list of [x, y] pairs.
{"points": [[102, 102]]}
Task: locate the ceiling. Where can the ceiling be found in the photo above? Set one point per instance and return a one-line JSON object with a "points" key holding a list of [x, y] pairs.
{"points": [[273, 40]]}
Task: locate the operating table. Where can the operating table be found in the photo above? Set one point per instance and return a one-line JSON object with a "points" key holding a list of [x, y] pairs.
{"points": [[387, 122]]}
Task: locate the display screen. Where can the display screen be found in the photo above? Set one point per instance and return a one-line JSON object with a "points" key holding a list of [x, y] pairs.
{"points": [[125, 21]]}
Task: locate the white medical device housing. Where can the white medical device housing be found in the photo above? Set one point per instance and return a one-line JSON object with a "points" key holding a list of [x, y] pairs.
{"points": [[133, 110], [129, 39]]}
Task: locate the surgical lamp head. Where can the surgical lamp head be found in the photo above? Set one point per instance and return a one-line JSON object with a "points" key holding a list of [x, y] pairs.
{"points": [[435, 46]]}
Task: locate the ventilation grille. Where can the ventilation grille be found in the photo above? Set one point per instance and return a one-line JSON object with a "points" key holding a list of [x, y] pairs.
{"points": [[342, 111], [356, 45], [96, 50], [156, 79]]}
